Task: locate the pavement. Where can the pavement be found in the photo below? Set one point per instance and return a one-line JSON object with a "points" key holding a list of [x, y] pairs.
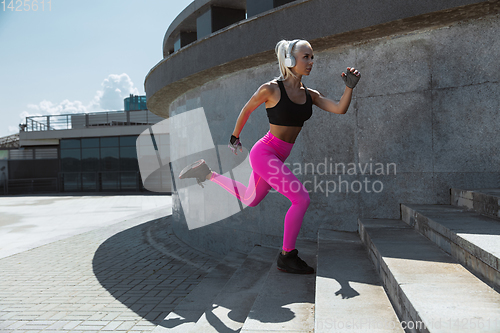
{"points": [[92, 263]]}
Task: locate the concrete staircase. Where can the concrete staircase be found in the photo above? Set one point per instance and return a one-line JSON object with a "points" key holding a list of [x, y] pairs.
{"points": [[435, 270]]}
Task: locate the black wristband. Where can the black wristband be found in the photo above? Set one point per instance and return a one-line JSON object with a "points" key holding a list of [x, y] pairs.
{"points": [[233, 139]]}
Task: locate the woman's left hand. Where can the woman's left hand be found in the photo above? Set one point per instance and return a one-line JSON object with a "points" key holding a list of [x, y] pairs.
{"points": [[352, 77]]}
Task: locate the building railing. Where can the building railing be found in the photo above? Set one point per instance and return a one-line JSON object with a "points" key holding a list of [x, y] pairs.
{"points": [[86, 120], [100, 181], [29, 186]]}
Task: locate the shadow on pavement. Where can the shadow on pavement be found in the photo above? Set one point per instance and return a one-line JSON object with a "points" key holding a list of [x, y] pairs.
{"points": [[149, 279]]}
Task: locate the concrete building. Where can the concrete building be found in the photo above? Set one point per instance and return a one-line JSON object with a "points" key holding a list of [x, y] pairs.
{"points": [[85, 152], [422, 119]]}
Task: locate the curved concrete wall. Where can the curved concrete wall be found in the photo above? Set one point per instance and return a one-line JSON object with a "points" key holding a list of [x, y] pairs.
{"points": [[427, 102], [251, 42], [186, 20]]}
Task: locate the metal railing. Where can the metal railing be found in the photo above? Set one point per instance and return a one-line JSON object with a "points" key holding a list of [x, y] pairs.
{"points": [[25, 186], [85, 120], [100, 181]]}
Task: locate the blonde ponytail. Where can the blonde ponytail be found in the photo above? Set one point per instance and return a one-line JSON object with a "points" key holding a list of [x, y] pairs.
{"points": [[280, 50]]}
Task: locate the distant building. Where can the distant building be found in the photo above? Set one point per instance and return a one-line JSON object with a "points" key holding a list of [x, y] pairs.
{"points": [[84, 152], [135, 103]]}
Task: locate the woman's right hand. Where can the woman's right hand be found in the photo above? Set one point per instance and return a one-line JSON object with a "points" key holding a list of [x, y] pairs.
{"points": [[234, 144]]}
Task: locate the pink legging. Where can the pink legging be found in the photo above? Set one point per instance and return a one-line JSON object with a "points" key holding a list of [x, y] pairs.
{"points": [[267, 159]]}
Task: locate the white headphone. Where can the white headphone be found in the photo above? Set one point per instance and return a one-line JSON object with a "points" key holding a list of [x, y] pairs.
{"points": [[289, 58]]}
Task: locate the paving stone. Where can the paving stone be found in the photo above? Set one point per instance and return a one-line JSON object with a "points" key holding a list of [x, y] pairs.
{"points": [[114, 278]]}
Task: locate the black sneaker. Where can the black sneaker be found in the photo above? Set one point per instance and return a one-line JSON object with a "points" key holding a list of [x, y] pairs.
{"points": [[291, 263], [198, 170]]}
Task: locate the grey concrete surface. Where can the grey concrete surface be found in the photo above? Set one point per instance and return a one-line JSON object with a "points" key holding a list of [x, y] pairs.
{"points": [[350, 296], [462, 180], [483, 201], [465, 125], [425, 284], [395, 129], [472, 239], [123, 277], [27, 222]]}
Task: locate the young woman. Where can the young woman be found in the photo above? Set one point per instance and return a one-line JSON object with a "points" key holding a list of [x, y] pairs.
{"points": [[288, 104]]}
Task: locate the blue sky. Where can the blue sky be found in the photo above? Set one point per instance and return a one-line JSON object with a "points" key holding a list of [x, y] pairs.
{"points": [[80, 56]]}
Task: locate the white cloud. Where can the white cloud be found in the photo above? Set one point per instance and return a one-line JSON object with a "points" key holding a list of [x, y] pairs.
{"points": [[13, 129], [114, 89], [48, 108]]}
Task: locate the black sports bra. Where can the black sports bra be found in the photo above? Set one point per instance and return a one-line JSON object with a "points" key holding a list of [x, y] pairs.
{"points": [[288, 113]]}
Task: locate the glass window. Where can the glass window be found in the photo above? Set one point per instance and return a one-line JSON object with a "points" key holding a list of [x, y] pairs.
{"points": [[129, 180], [177, 44], [90, 159], [70, 143], [109, 142], [204, 24], [128, 159], [89, 181], [110, 181], [71, 182], [109, 159], [70, 160], [90, 143], [128, 141]]}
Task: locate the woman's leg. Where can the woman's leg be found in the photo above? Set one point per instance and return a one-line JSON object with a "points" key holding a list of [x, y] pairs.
{"points": [[268, 170], [251, 196], [278, 176]]}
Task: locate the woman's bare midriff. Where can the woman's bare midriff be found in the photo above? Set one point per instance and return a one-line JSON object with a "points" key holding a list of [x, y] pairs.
{"points": [[285, 133]]}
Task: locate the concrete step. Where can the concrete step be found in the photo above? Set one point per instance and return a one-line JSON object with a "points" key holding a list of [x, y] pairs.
{"points": [[191, 308], [286, 301], [425, 284], [482, 201], [472, 239], [350, 296], [230, 308]]}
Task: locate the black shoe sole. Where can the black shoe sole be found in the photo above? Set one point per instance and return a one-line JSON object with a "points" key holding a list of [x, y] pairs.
{"points": [[294, 271]]}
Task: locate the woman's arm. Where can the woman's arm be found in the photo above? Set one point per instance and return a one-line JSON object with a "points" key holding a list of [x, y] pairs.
{"points": [[350, 79], [331, 106], [260, 96]]}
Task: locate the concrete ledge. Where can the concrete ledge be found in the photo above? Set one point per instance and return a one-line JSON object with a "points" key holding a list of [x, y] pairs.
{"points": [[27, 137], [251, 42], [482, 201], [425, 284], [473, 240], [186, 20]]}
